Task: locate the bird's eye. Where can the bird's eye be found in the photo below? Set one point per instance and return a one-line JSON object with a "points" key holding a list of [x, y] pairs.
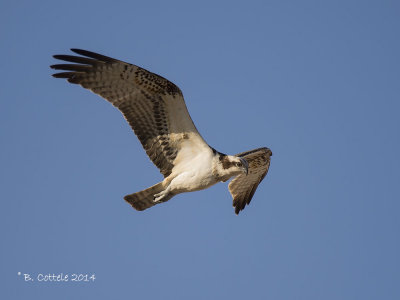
{"points": [[238, 164]]}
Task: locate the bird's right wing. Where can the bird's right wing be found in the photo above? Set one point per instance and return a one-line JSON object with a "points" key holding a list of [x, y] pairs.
{"points": [[153, 106], [243, 187]]}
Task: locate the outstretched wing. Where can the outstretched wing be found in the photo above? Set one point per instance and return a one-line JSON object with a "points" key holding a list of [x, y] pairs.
{"points": [[243, 187], [153, 106]]}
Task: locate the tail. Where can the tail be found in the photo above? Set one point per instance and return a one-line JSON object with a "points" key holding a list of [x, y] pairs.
{"points": [[144, 199]]}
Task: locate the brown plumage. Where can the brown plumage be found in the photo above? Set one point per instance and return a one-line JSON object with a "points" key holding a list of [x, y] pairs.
{"points": [[143, 98], [242, 187]]}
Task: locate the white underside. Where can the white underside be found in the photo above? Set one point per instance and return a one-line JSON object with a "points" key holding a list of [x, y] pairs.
{"points": [[193, 169]]}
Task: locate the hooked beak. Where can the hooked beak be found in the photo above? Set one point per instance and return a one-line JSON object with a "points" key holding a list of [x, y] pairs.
{"points": [[245, 166]]}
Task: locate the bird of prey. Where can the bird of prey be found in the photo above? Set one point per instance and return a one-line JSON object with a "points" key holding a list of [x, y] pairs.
{"points": [[155, 109]]}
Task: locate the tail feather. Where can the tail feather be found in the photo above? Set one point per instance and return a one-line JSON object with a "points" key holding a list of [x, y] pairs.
{"points": [[144, 199]]}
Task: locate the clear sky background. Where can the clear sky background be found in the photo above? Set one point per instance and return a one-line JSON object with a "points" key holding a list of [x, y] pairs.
{"points": [[315, 81]]}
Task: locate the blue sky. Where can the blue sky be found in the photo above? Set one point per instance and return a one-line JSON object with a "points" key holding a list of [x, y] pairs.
{"points": [[315, 81]]}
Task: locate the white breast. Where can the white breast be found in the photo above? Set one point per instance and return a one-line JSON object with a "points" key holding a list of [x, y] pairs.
{"points": [[193, 170]]}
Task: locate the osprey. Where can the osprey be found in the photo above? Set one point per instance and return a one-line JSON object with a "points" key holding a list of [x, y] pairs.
{"points": [[155, 109]]}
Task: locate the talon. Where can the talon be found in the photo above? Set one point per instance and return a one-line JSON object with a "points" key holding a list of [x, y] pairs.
{"points": [[158, 197]]}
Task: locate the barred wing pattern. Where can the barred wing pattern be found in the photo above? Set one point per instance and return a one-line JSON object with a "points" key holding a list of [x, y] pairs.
{"points": [[242, 187], [153, 106]]}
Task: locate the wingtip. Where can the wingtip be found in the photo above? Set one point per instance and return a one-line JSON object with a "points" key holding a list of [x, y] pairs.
{"points": [[76, 50], [65, 75], [60, 75], [237, 209], [85, 53]]}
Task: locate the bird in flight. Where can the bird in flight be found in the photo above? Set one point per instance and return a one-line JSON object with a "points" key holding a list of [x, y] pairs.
{"points": [[155, 109]]}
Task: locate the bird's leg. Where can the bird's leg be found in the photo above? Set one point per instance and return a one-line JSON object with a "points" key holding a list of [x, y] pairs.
{"points": [[162, 196]]}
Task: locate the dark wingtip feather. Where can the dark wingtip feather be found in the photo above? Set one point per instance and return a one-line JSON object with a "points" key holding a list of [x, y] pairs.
{"points": [[60, 56], [238, 206], [76, 59], [71, 67], [64, 75], [70, 76], [93, 55]]}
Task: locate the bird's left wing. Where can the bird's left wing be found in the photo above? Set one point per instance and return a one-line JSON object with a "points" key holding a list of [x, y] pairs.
{"points": [[243, 187]]}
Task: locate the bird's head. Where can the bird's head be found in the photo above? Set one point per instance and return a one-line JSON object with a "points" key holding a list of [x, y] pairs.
{"points": [[230, 165], [242, 165]]}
